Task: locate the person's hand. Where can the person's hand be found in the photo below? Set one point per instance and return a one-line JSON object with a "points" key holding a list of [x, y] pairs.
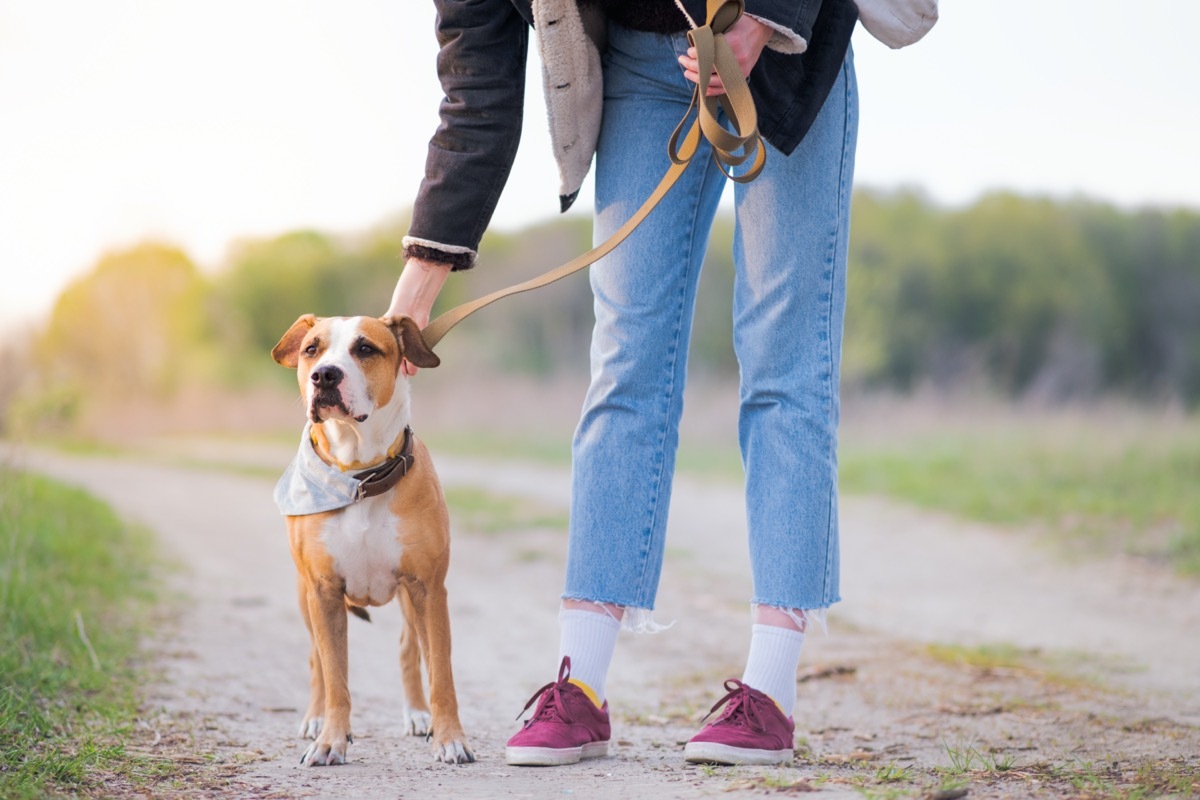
{"points": [[747, 38], [419, 285]]}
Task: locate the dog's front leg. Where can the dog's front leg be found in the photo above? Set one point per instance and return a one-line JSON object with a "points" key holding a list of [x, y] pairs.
{"points": [[327, 614]]}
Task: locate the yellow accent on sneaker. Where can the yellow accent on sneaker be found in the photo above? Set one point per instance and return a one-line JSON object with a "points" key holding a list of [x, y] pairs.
{"points": [[589, 691]]}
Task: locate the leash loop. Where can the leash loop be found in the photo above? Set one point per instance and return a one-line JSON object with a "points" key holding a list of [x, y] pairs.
{"points": [[730, 149], [713, 54]]}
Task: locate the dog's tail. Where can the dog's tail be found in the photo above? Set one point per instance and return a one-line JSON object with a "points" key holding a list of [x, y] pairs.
{"points": [[358, 611]]}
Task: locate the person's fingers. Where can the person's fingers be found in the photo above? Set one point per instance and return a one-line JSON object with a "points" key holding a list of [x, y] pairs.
{"points": [[691, 71]]}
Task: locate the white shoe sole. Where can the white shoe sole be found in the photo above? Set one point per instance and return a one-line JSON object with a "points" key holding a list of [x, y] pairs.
{"points": [[553, 756], [712, 753]]}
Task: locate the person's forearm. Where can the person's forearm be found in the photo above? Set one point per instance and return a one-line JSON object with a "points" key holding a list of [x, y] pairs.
{"points": [[418, 288]]}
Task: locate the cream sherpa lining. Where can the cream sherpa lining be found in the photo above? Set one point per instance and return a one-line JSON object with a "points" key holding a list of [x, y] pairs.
{"points": [[783, 40], [572, 84], [897, 23], [409, 241]]}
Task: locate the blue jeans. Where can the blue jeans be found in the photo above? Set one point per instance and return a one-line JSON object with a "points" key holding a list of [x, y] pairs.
{"points": [[788, 305]]}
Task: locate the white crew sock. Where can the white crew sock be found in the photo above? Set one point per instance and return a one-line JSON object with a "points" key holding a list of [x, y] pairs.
{"points": [[589, 638], [771, 665]]}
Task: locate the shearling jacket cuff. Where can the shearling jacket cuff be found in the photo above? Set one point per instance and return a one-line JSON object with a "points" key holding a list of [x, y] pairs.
{"points": [[458, 258], [784, 40]]}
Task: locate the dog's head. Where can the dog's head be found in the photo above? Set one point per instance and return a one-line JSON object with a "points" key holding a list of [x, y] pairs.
{"points": [[348, 367]]}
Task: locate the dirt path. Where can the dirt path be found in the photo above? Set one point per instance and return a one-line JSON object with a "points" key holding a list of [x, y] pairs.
{"points": [[1107, 688]]}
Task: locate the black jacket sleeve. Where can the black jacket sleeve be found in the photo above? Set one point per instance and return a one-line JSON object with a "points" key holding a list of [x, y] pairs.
{"points": [[481, 66], [795, 15]]}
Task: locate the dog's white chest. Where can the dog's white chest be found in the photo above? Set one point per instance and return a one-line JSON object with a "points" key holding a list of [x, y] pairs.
{"points": [[364, 542]]}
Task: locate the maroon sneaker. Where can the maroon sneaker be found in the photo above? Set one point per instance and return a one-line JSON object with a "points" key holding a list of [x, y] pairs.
{"points": [[751, 730], [565, 727]]}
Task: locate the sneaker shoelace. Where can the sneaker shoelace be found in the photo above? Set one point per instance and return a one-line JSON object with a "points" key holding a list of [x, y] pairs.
{"points": [[741, 707], [550, 708]]}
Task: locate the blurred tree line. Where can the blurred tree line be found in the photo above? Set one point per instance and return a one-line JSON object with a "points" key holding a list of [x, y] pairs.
{"points": [[1058, 300]]}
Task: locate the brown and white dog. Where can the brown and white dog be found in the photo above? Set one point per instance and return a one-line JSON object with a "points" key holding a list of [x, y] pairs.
{"points": [[391, 541]]}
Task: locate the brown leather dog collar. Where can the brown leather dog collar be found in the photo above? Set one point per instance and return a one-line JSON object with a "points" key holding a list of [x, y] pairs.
{"points": [[377, 480]]}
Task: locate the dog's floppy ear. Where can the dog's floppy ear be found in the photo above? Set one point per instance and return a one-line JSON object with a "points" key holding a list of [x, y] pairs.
{"points": [[287, 352], [412, 343]]}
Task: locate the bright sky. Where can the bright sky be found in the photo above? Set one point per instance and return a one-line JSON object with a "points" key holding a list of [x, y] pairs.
{"points": [[203, 123]]}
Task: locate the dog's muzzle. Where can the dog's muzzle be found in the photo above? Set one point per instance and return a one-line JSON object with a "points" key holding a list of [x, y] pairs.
{"points": [[326, 391]]}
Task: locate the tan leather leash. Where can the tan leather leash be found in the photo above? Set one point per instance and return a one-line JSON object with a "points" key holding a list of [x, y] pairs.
{"points": [[729, 148]]}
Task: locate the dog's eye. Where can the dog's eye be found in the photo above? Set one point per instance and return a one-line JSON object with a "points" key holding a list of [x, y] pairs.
{"points": [[311, 350], [365, 350]]}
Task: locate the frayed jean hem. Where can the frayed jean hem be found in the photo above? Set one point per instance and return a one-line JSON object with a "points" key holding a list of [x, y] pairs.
{"points": [[632, 618]]}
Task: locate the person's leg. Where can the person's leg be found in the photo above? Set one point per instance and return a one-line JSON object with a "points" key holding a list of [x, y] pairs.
{"points": [[644, 295], [588, 636], [789, 301], [772, 661], [624, 447]]}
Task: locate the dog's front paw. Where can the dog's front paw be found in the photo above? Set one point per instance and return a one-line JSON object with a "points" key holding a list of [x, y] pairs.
{"points": [[310, 727], [455, 751], [326, 751], [417, 723]]}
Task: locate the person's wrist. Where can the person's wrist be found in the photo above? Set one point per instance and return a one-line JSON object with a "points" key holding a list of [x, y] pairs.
{"points": [[758, 33], [418, 287]]}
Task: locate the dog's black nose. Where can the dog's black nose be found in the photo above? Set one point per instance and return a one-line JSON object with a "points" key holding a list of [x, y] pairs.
{"points": [[327, 377]]}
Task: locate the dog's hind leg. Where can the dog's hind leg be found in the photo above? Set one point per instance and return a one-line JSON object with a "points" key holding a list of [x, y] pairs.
{"points": [[310, 726], [417, 719]]}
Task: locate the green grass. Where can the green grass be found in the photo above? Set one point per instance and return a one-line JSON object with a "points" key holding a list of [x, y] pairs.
{"points": [[481, 511], [1148, 780], [526, 446], [967, 758], [1124, 481], [991, 656], [75, 586], [893, 773], [1116, 491]]}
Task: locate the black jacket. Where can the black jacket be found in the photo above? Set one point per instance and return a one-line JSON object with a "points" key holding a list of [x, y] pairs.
{"points": [[481, 65]]}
